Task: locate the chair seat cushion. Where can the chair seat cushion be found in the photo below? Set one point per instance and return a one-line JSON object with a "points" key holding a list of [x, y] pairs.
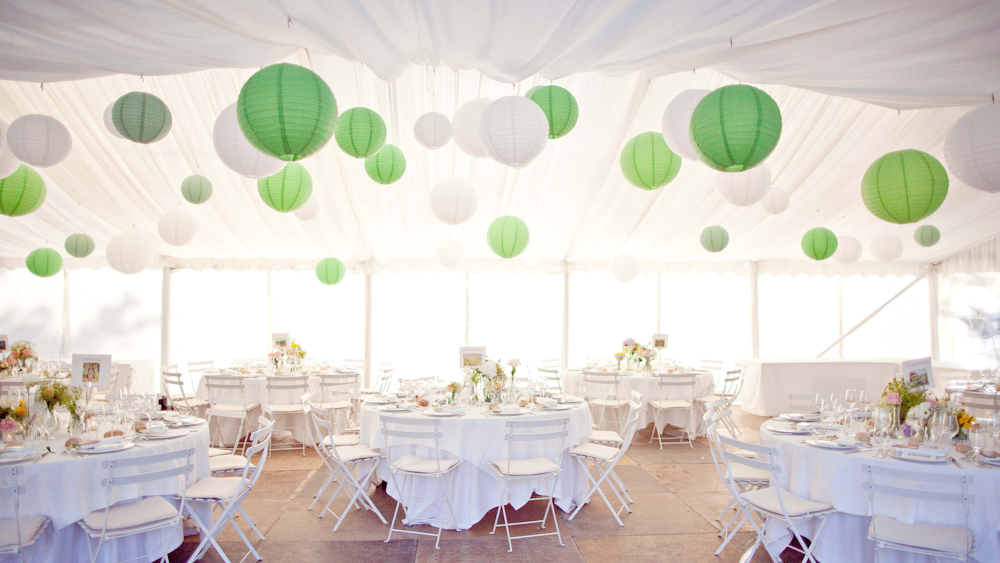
{"points": [[354, 453], [605, 436], [234, 408], [336, 405], [767, 499], [230, 462], [191, 402], [213, 452], [214, 488], [285, 409], [608, 402], [707, 398], [132, 514], [940, 537], [29, 527], [607, 453], [670, 404], [343, 440], [417, 464], [525, 467], [750, 474]]}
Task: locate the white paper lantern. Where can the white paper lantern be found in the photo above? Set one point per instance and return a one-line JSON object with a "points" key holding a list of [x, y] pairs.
{"points": [[465, 127], [848, 250], [39, 140], [625, 267], [130, 252], [8, 162], [432, 130], [453, 201], [886, 248], [514, 131], [450, 253], [744, 188], [677, 121], [774, 201], [972, 148], [309, 210], [109, 122], [236, 152], [177, 227]]}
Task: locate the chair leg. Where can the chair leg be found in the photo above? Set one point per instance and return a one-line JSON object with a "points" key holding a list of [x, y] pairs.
{"points": [[555, 518], [503, 491]]}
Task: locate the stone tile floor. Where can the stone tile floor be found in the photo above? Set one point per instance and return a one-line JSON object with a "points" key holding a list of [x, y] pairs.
{"points": [[677, 496]]}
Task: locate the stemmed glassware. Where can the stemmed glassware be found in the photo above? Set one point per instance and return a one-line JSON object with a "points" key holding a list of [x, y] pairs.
{"points": [[865, 399], [851, 398], [883, 421], [979, 439]]}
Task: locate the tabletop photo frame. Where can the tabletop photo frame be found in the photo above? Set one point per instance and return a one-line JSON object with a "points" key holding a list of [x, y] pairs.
{"points": [[471, 356], [280, 339], [919, 373], [659, 341], [91, 370]]}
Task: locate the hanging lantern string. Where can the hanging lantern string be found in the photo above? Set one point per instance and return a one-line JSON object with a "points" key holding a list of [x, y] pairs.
{"points": [[289, 22]]}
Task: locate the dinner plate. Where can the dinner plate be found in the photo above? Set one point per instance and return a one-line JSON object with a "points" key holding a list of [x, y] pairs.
{"points": [[443, 414], [555, 408], [791, 431], [185, 423], [395, 409], [571, 401], [831, 445], [799, 417], [9, 458], [93, 451], [895, 453], [989, 460], [174, 433], [511, 413]]}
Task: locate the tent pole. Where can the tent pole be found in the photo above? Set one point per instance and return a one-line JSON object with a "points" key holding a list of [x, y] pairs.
{"points": [[659, 304], [754, 320], [165, 320], [368, 331], [932, 294], [64, 343], [565, 319], [869, 317]]}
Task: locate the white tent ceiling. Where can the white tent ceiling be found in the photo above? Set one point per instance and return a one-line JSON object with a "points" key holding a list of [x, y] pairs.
{"points": [[825, 63]]}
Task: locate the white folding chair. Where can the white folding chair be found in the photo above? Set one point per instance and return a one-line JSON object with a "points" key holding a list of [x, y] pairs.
{"points": [[610, 437], [319, 442], [150, 514], [669, 382], [417, 469], [227, 397], [197, 369], [552, 379], [17, 534], [732, 384], [288, 386], [935, 540], [606, 385], [385, 374], [802, 403], [181, 402], [117, 386], [340, 393], [714, 367], [721, 406], [553, 430]]}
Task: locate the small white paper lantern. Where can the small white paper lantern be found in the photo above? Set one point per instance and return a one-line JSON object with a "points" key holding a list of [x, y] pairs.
{"points": [[432, 130], [744, 188], [625, 267], [130, 252], [309, 210], [236, 152], [177, 227], [514, 131], [774, 201], [465, 127], [453, 201], [848, 250], [972, 148], [677, 121], [8, 162], [109, 122], [450, 253], [39, 140], [886, 248]]}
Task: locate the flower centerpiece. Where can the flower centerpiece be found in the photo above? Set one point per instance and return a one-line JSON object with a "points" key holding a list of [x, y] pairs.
{"points": [[903, 396], [619, 356], [13, 415], [55, 394], [22, 353], [491, 380], [647, 355], [4, 368], [455, 387], [293, 356]]}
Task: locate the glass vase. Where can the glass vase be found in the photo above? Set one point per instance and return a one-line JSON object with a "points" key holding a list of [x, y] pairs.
{"points": [[896, 430], [76, 426]]}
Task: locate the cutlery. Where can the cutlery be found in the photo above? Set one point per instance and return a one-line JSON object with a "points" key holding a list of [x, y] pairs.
{"points": [[955, 461], [860, 450], [39, 458]]}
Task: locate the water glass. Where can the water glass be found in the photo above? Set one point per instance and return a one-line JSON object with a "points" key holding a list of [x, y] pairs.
{"points": [[979, 440]]}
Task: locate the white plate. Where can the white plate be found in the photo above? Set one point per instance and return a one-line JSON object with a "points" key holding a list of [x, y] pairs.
{"points": [[394, 409], [443, 414], [174, 433], [830, 445], [798, 417], [379, 401], [17, 459], [185, 424], [93, 451], [790, 431], [989, 460], [511, 413], [555, 408], [894, 453], [573, 401]]}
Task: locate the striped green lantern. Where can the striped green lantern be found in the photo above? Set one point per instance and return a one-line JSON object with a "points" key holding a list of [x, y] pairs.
{"points": [[286, 111], [927, 235], [714, 238], [360, 132], [819, 243], [22, 192], [904, 186], [647, 162], [197, 188], [330, 271], [44, 262], [387, 165], [507, 236], [560, 108], [287, 190], [734, 128], [141, 117], [79, 245]]}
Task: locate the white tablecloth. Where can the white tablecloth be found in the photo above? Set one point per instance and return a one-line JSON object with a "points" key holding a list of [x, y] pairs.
{"points": [[478, 440], [835, 478], [66, 488]]}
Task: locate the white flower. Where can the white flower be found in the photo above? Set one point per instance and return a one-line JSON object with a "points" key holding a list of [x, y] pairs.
{"points": [[514, 362], [923, 410], [489, 369]]}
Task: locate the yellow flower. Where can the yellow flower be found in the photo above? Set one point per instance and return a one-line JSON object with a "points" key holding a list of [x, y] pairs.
{"points": [[967, 425]]}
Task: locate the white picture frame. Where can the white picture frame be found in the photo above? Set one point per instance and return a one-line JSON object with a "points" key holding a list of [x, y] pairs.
{"points": [[280, 339], [91, 370], [4, 343], [471, 356], [919, 372], [659, 341]]}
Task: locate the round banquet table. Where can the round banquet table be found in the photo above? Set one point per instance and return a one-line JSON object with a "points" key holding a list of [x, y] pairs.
{"points": [[836, 478], [65, 488], [477, 438], [648, 386]]}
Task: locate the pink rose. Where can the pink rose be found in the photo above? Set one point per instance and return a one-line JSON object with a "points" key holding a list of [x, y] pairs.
{"points": [[892, 399], [932, 402]]}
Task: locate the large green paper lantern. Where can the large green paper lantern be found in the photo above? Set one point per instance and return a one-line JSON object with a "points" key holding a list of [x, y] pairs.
{"points": [[44, 262], [714, 239], [141, 117], [560, 108], [819, 243], [387, 165], [286, 111], [287, 190], [22, 192], [927, 235], [360, 132], [904, 186], [197, 188], [79, 245], [507, 236], [735, 128], [647, 162], [330, 271]]}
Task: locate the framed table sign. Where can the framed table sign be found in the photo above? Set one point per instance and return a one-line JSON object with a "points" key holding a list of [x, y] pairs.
{"points": [[471, 356]]}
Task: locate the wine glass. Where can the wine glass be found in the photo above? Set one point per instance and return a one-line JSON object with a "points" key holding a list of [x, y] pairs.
{"points": [[883, 420], [978, 439], [865, 399], [851, 398]]}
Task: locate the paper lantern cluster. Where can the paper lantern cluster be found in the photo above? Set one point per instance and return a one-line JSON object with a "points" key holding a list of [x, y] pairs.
{"points": [[507, 236], [774, 201], [647, 162], [387, 165], [235, 150], [44, 262], [197, 188], [676, 122], [22, 192], [734, 128], [972, 148], [848, 250], [819, 243], [625, 267], [287, 111], [309, 210], [904, 186], [453, 201], [79, 245], [141, 117], [360, 132], [39, 140], [927, 235], [432, 130], [886, 248], [450, 253], [287, 190], [714, 238], [513, 131], [744, 188], [330, 271], [8, 162], [465, 127], [559, 106], [177, 227], [130, 252]]}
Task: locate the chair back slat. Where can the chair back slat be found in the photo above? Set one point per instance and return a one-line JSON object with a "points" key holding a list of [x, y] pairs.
{"points": [[148, 476], [537, 436]]}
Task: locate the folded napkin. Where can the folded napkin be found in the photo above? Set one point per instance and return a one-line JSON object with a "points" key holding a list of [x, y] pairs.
{"points": [[848, 442], [921, 453], [18, 452], [100, 444], [509, 408]]}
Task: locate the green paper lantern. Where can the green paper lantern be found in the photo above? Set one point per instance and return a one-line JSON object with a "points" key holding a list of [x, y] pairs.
{"points": [[904, 186], [197, 188], [22, 192], [734, 128], [330, 271], [507, 236], [560, 108], [287, 190], [714, 238], [286, 111], [79, 245], [819, 243], [387, 165], [44, 262], [360, 132], [927, 235], [647, 162], [141, 117]]}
